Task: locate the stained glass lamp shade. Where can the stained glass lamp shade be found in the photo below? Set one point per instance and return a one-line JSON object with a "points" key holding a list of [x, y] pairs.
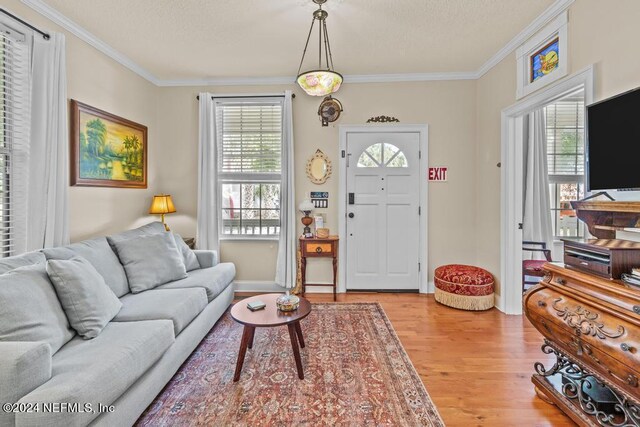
{"points": [[320, 82]]}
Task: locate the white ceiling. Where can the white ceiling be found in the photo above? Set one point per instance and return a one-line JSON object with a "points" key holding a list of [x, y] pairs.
{"points": [[204, 39]]}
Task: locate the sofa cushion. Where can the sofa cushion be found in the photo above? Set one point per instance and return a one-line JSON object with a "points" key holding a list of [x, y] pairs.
{"points": [[85, 297], [150, 261], [30, 258], [189, 258], [98, 252], [99, 370], [30, 309], [206, 258], [214, 279], [180, 306], [146, 230]]}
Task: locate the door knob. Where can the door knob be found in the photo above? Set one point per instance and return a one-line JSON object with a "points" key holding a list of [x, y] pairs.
{"points": [[351, 215]]}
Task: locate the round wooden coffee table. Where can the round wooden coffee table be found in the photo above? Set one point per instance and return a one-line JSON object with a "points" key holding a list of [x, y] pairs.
{"points": [[268, 317]]}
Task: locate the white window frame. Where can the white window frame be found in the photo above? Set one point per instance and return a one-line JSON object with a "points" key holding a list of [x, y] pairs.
{"points": [[13, 232], [245, 177], [569, 178]]}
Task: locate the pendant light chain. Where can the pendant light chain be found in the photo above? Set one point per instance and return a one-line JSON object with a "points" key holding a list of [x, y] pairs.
{"points": [[327, 46], [313, 21]]}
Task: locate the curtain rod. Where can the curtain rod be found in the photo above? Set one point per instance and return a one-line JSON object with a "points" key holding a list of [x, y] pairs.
{"points": [[293, 95], [11, 15]]}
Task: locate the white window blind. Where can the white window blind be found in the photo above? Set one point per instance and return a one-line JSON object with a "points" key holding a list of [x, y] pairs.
{"points": [[249, 143], [14, 138], [565, 161]]}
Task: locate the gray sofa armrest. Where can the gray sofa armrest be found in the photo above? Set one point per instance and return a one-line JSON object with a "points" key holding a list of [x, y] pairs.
{"points": [[206, 258], [24, 366]]}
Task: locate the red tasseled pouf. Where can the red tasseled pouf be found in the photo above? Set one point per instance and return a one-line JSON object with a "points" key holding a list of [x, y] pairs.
{"points": [[464, 286]]}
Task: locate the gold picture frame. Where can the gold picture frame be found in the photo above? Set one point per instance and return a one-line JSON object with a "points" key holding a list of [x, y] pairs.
{"points": [[106, 150]]}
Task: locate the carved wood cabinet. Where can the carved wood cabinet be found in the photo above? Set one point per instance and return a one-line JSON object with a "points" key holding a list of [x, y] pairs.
{"points": [[592, 327]]}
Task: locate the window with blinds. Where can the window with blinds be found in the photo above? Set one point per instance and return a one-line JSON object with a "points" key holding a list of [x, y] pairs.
{"points": [[249, 147], [14, 119], [565, 162]]}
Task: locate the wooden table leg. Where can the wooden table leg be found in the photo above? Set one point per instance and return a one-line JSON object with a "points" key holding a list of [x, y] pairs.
{"points": [[296, 350], [253, 332], [303, 274], [335, 272], [299, 333], [246, 333]]}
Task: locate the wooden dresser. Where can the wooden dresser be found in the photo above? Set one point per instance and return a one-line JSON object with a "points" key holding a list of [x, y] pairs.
{"points": [[591, 325]]}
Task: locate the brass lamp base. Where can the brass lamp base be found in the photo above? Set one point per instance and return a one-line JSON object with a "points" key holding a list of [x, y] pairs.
{"points": [[166, 227], [306, 221]]}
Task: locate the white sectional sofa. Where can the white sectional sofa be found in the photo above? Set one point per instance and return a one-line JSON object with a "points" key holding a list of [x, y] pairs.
{"points": [[124, 367]]}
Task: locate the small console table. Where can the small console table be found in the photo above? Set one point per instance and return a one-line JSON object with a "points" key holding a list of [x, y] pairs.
{"points": [[314, 247]]}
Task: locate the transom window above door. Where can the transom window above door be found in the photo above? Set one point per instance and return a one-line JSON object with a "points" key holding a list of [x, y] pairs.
{"points": [[382, 154]]}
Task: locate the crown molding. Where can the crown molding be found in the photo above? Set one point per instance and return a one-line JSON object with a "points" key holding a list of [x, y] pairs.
{"points": [[543, 19], [353, 78], [228, 81], [409, 77], [52, 14]]}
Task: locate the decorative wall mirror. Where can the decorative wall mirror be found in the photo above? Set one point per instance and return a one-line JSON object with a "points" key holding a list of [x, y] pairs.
{"points": [[319, 168]]}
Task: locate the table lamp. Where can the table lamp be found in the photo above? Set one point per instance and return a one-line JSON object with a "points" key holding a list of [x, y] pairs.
{"points": [[306, 207], [160, 205]]}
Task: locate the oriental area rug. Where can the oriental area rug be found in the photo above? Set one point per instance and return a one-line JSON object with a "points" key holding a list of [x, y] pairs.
{"points": [[356, 374]]}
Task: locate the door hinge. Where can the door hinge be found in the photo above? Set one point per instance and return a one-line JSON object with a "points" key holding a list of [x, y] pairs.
{"points": [[419, 154], [419, 210], [344, 154], [419, 266]]}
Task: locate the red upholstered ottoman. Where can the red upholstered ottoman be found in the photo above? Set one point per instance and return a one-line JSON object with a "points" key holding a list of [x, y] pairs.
{"points": [[464, 286]]}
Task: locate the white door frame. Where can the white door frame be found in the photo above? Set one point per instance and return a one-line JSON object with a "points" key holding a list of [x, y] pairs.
{"points": [[423, 131], [511, 196]]}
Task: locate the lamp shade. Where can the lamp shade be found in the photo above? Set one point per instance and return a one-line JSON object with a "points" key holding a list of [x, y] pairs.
{"points": [[320, 82], [162, 204], [306, 206]]}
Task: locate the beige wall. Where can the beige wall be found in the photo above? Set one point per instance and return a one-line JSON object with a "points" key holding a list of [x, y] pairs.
{"points": [[448, 108], [97, 80], [604, 34], [464, 134]]}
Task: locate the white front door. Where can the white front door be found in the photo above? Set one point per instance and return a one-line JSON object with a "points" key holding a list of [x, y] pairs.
{"points": [[383, 201]]}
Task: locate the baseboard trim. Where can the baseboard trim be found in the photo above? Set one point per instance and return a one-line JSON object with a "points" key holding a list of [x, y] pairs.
{"points": [[262, 286]]}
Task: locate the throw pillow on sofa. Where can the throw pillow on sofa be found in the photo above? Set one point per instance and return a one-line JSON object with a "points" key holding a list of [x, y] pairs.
{"points": [[189, 258], [150, 261], [86, 298], [30, 309]]}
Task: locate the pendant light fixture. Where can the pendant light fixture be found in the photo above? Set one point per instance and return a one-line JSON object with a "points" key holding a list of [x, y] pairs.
{"points": [[321, 81]]}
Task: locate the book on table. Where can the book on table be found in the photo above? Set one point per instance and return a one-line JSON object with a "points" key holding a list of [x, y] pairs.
{"points": [[256, 305]]}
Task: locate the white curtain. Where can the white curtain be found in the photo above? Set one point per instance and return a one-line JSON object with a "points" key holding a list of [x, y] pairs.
{"points": [[207, 236], [537, 210], [286, 266], [47, 194]]}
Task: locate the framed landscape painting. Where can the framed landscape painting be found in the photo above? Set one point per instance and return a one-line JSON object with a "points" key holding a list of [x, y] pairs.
{"points": [[106, 150]]}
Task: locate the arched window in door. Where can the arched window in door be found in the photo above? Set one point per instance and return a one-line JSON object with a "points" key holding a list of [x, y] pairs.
{"points": [[382, 154]]}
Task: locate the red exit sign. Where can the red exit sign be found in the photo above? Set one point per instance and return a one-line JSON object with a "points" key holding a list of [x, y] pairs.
{"points": [[438, 174]]}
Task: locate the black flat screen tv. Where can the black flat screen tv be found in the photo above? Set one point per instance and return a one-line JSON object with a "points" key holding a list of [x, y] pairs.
{"points": [[613, 143]]}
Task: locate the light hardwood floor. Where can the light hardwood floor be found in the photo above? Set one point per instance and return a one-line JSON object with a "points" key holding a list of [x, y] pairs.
{"points": [[475, 365]]}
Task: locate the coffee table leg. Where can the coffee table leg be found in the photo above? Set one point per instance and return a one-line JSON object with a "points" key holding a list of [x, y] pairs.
{"points": [[299, 333], [253, 332], [246, 333], [296, 350]]}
